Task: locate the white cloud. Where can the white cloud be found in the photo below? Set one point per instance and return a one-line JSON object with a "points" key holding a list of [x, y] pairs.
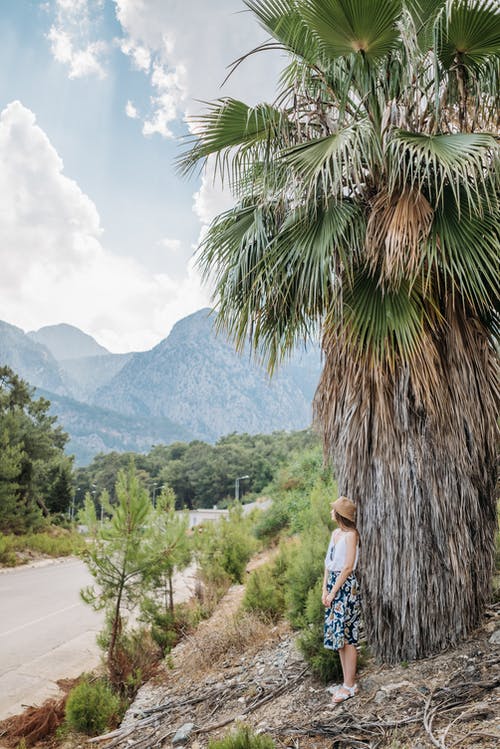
{"points": [[54, 265], [167, 102], [140, 55], [190, 65], [70, 37], [131, 110]]}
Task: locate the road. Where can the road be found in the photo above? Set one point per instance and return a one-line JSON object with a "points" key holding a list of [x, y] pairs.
{"points": [[46, 632]]}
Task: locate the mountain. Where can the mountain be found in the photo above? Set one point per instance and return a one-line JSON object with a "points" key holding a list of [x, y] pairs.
{"points": [[67, 342], [85, 375], [192, 385], [95, 430], [196, 378], [30, 360], [84, 364]]}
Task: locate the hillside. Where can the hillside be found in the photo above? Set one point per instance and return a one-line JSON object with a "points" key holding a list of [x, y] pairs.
{"points": [[67, 342], [192, 385], [198, 380], [236, 669], [94, 430], [30, 360]]}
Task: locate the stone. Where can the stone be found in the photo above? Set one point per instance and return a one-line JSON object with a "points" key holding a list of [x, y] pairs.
{"points": [[182, 734], [495, 637]]}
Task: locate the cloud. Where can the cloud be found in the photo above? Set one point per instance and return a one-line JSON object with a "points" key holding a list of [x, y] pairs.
{"points": [[170, 94], [190, 65], [70, 38], [131, 111], [53, 257], [186, 64]]}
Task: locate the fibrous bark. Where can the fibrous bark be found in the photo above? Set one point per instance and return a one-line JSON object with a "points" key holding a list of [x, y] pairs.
{"points": [[420, 464]]}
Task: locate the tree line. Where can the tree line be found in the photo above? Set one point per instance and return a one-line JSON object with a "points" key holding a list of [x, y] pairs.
{"points": [[200, 474], [38, 482], [36, 477]]}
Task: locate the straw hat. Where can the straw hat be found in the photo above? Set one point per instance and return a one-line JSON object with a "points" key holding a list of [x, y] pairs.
{"points": [[345, 507]]}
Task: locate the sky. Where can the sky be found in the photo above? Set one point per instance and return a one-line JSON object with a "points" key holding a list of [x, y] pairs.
{"points": [[96, 227]]}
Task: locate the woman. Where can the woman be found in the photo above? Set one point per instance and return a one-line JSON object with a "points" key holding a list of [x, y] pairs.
{"points": [[341, 595]]}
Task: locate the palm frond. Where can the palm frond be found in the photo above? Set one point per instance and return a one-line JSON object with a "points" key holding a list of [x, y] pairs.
{"points": [[464, 250], [232, 131], [467, 163], [469, 32], [335, 165], [344, 27], [285, 23], [382, 325]]}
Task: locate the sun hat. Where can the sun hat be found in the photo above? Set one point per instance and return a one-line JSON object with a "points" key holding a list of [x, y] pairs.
{"points": [[345, 507]]}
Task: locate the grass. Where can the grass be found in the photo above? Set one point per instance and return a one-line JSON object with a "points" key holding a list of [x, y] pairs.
{"points": [[54, 542], [237, 634]]}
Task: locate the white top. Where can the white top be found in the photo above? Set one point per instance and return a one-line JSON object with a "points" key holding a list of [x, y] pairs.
{"points": [[336, 554]]}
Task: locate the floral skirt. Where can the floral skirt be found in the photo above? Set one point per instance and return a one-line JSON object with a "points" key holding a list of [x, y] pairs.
{"points": [[343, 616]]}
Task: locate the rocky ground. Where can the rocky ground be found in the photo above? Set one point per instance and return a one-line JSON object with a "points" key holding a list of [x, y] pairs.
{"points": [[236, 670]]}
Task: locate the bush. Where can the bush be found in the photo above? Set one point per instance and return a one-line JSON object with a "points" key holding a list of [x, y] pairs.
{"points": [[305, 569], [272, 521], [7, 555], [265, 588], [135, 660], [224, 548], [92, 707], [264, 595], [325, 664], [242, 738]]}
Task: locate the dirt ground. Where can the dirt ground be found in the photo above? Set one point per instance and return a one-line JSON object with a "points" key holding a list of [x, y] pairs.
{"points": [[234, 669], [450, 700]]}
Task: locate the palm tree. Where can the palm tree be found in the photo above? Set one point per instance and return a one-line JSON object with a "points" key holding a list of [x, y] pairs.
{"points": [[367, 210]]}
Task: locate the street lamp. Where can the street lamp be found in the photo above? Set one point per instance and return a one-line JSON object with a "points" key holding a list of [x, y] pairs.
{"points": [[95, 498], [237, 487]]}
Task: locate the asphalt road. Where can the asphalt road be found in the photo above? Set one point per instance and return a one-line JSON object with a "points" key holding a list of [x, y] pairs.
{"points": [[46, 631]]}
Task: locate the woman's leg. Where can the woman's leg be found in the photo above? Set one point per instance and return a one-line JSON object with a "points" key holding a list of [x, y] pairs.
{"points": [[341, 652], [348, 660]]}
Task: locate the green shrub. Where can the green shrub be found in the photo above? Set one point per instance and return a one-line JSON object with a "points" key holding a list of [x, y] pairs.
{"points": [[92, 707], [265, 588], [224, 548], [7, 555], [305, 569], [325, 664], [242, 738], [264, 595], [271, 521]]}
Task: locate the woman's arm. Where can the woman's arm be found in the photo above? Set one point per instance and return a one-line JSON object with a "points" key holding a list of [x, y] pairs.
{"points": [[351, 543], [324, 592]]}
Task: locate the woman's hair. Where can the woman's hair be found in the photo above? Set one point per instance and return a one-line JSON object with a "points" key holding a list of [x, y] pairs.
{"points": [[341, 520]]}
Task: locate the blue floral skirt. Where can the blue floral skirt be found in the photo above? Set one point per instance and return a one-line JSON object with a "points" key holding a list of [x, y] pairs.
{"points": [[343, 616]]}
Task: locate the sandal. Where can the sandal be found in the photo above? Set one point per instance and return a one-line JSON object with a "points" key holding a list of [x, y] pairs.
{"points": [[333, 688], [344, 692]]}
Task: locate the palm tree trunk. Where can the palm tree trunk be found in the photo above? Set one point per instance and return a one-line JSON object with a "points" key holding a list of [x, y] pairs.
{"points": [[421, 468]]}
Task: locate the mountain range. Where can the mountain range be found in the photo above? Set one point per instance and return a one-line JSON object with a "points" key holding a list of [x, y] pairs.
{"points": [[192, 385]]}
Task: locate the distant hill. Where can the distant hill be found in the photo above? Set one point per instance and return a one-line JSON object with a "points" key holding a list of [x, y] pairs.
{"points": [[30, 360], [95, 430], [197, 379], [84, 376], [192, 385], [67, 342]]}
